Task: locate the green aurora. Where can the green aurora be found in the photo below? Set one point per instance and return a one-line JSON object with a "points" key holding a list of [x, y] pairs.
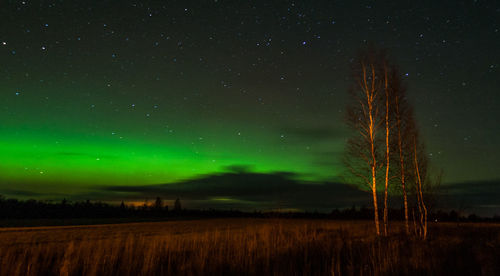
{"points": [[69, 157], [69, 149]]}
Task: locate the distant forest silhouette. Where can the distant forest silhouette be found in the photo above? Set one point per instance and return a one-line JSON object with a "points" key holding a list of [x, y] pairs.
{"points": [[11, 208]]}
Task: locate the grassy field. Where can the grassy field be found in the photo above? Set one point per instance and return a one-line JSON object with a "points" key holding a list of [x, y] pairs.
{"points": [[248, 247]]}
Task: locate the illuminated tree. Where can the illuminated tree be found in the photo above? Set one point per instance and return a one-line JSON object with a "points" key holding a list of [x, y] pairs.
{"points": [[402, 114], [388, 125], [158, 204], [414, 166], [420, 171], [177, 205], [364, 118], [383, 132], [414, 172]]}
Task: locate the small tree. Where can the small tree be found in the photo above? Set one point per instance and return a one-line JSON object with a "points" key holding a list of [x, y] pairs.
{"points": [[145, 205], [177, 205], [158, 206], [420, 164], [419, 182]]}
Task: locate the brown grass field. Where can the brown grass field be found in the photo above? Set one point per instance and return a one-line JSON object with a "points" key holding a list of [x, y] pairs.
{"points": [[248, 247]]}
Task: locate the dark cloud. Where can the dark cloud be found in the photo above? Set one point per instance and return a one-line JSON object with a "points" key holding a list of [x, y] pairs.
{"points": [[481, 197], [26, 194], [20, 193], [243, 190], [491, 188], [240, 188]]}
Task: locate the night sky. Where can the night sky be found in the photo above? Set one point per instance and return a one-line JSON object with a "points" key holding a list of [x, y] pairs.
{"points": [[113, 100]]}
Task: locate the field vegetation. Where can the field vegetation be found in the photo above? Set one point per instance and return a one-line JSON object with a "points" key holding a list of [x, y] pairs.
{"points": [[249, 247]]}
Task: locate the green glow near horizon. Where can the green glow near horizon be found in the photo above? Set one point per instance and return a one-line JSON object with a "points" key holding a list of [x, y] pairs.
{"points": [[75, 159], [75, 146]]}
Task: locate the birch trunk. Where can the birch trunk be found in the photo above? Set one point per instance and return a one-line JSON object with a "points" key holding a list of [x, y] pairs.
{"points": [[402, 164], [421, 204]]}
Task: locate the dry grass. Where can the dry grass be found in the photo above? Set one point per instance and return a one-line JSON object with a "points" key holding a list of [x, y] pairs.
{"points": [[247, 247]]}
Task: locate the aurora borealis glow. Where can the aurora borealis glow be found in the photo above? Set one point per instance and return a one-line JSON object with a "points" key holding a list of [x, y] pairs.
{"points": [[49, 144], [141, 93]]}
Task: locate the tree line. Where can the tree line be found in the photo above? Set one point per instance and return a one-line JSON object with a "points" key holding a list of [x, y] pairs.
{"points": [[385, 151], [11, 208], [33, 209]]}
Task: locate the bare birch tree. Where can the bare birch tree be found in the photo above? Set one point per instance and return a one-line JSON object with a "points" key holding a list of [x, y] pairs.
{"points": [[364, 118], [378, 111], [402, 115], [420, 163], [417, 172]]}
